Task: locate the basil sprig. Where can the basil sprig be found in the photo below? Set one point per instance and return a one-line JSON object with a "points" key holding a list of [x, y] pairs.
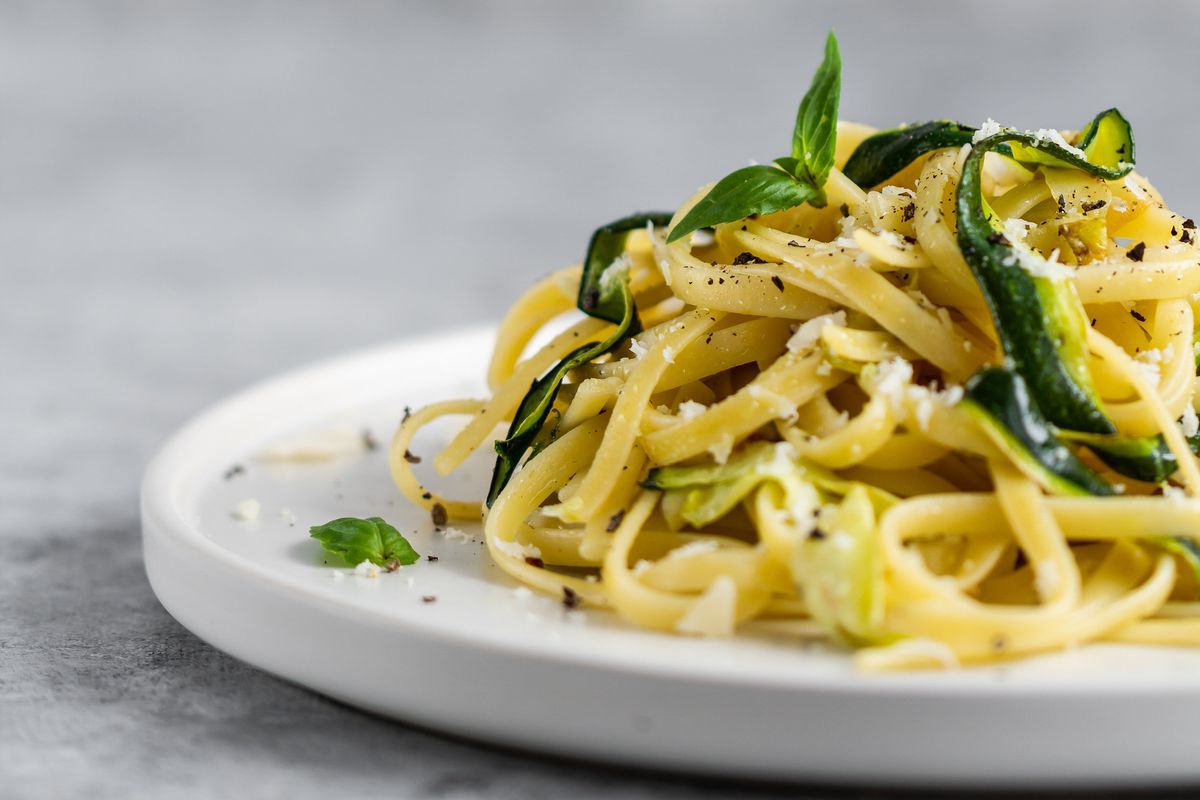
{"points": [[604, 293], [793, 180], [358, 540]]}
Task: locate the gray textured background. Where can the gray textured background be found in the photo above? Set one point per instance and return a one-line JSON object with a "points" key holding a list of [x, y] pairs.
{"points": [[195, 195]]}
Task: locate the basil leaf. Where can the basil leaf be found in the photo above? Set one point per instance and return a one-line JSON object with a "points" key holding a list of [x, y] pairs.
{"points": [[815, 134], [604, 293], [358, 540], [751, 190], [800, 177]]}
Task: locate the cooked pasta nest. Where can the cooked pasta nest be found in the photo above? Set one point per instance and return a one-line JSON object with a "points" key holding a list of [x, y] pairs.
{"points": [[786, 442]]}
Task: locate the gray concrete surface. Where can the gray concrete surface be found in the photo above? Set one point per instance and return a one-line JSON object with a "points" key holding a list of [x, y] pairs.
{"points": [[195, 195]]}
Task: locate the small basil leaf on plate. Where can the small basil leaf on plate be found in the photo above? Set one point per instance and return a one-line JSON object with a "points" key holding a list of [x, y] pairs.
{"points": [[358, 540], [759, 189]]}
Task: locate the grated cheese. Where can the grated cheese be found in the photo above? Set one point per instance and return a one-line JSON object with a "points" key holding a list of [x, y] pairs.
{"points": [[891, 379], [1189, 423], [1046, 578], [247, 510], [1035, 265], [713, 613], [641, 566], [453, 534], [517, 550], [694, 548], [1054, 137], [808, 333], [986, 130], [321, 445]]}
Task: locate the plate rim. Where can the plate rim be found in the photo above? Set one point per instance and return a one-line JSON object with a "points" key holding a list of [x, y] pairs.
{"points": [[164, 522]]}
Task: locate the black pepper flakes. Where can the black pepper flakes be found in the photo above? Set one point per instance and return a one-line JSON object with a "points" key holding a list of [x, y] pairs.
{"points": [[407, 414], [1062, 204], [747, 258], [845, 209], [438, 515], [431, 559], [1187, 237], [426, 496], [1138, 316], [1136, 252], [1092, 206], [428, 598], [410, 458], [571, 598], [234, 471], [534, 561], [614, 521], [793, 243], [1093, 322], [1189, 224], [775, 279], [816, 535], [909, 212]]}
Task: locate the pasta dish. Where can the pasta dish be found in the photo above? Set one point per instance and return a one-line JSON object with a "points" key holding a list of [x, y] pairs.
{"points": [[926, 392]]}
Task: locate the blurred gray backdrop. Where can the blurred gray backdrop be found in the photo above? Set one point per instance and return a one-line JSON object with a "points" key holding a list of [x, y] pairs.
{"points": [[194, 195]]}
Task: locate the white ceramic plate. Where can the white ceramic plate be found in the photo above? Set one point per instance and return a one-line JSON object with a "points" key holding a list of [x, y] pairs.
{"points": [[487, 662]]}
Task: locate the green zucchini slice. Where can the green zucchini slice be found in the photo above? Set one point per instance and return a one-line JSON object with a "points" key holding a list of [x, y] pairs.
{"points": [[603, 293], [998, 400], [882, 155], [1038, 316], [710, 491]]}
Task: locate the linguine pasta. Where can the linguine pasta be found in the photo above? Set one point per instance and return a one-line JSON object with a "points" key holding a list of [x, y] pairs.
{"points": [[795, 433]]}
